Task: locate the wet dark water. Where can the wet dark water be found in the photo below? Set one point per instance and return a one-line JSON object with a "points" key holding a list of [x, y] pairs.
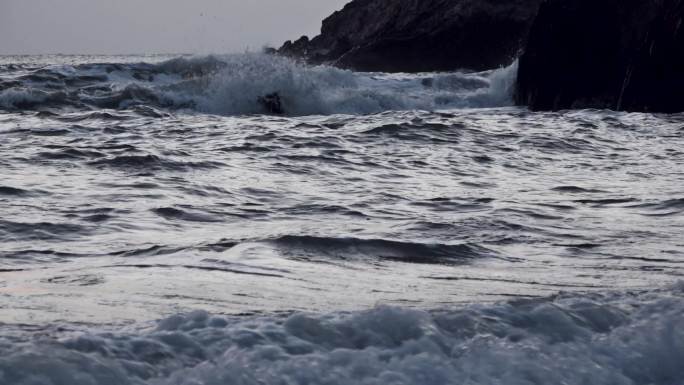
{"points": [[132, 192]]}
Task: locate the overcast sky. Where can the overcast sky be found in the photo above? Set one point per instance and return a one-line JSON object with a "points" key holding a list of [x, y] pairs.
{"points": [[155, 26]]}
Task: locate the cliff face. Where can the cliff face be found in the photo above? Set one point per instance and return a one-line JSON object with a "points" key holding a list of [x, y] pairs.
{"points": [[419, 35], [617, 54]]}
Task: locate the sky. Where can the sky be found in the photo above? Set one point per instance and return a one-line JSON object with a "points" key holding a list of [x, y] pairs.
{"points": [[156, 26]]}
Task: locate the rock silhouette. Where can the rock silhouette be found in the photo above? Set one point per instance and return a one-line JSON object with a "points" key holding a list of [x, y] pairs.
{"points": [[615, 54], [419, 35]]}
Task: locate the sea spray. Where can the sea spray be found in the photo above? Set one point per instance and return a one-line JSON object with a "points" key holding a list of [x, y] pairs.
{"points": [[234, 84]]}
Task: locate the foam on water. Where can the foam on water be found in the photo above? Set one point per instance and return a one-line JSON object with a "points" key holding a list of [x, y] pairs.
{"points": [[609, 338], [233, 84]]}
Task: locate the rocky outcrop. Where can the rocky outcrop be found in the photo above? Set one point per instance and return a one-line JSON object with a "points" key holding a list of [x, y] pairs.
{"points": [[419, 35], [272, 103], [616, 54]]}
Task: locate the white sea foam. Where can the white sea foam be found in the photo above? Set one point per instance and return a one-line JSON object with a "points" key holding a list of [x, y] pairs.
{"points": [[574, 339]]}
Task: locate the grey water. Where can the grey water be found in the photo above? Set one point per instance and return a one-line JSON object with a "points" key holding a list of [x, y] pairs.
{"points": [[157, 226]]}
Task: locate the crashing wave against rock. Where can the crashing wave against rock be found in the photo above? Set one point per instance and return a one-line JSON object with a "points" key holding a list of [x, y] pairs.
{"points": [[249, 84]]}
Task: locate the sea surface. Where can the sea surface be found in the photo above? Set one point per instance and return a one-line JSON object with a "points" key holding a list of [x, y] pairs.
{"points": [[158, 226]]}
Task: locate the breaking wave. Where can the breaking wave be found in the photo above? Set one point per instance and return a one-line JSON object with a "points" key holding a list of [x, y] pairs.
{"points": [[234, 84]]}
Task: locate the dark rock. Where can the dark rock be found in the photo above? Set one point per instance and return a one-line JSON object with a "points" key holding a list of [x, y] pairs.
{"points": [[269, 51], [616, 54], [272, 103], [298, 48], [419, 35]]}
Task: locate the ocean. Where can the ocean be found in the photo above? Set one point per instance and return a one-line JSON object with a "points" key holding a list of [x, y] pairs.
{"points": [[159, 226]]}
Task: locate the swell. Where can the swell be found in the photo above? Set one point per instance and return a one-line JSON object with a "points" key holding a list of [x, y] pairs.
{"points": [[11, 231], [9, 191], [298, 247], [150, 162], [317, 248], [667, 207]]}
